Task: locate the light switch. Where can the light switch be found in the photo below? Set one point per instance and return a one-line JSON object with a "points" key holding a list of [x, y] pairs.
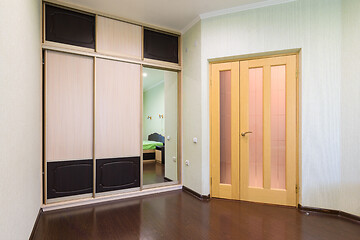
{"points": [[195, 140]]}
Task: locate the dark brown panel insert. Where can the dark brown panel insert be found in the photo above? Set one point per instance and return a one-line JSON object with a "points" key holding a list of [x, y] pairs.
{"points": [[117, 173], [148, 156], [68, 178], [69, 27], [161, 46]]}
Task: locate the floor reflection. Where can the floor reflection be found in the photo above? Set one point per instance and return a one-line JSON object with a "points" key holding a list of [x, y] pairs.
{"points": [[153, 172]]}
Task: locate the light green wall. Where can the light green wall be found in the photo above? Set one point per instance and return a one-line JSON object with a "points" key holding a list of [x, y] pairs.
{"points": [[153, 105], [192, 108], [20, 117], [350, 108], [315, 28]]}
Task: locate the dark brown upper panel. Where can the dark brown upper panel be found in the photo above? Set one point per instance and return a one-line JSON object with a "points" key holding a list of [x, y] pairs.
{"points": [[69, 27], [161, 46]]}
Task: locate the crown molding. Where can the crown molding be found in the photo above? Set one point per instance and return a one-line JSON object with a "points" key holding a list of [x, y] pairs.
{"points": [[246, 7], [153, 86], [190, 25]]}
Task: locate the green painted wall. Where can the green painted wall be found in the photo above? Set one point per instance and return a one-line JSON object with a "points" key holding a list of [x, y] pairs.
{"points": [[153, 105]]}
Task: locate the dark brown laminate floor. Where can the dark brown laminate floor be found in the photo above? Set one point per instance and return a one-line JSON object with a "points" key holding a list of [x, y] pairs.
{"points": [[177, 215]]}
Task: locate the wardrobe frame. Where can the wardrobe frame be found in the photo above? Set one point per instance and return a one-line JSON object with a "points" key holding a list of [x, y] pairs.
{"points": [[78, 200]]}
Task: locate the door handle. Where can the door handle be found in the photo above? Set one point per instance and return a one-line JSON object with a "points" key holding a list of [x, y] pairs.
{"points": [[244, 133]]}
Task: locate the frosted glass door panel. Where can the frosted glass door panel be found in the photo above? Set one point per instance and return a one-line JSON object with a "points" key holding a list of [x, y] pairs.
{"points": [[225, 127], [256, 127], [225, 130], [278, 129]]}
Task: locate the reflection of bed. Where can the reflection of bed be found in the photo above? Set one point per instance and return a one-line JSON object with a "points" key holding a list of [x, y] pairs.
{"points": [[153, 148], [151, 145]]}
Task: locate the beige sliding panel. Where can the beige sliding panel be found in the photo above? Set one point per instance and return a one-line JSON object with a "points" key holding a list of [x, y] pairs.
{"points": [[68, 125], [118, 38], [117, 124]]}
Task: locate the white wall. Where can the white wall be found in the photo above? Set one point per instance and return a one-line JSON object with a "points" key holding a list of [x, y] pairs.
{"points": [[192, 107], [171, 94], [350, 108], [313, 26], [20, 117]]}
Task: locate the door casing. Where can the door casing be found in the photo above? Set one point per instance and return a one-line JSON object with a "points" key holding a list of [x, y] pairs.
{"points": [[297, 53]]}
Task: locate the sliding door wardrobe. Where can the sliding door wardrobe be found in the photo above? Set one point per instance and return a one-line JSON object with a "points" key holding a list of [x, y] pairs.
{"points": [[92, 92]]}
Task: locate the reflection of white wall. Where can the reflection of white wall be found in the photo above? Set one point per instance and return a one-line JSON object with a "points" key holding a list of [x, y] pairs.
{"points": [[170, 89], [153, 100], [20, 117]]}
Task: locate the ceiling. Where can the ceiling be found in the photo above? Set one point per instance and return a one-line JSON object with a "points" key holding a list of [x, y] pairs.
{"points": [[151, 78], [170, 14]]}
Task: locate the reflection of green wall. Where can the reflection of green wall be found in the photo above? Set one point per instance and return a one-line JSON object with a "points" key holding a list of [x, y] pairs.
{"points": [[153, 105]]}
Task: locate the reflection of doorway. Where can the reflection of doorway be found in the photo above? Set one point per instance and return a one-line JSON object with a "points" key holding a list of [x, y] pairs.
{"points": [[159, 126], [253, 122]]}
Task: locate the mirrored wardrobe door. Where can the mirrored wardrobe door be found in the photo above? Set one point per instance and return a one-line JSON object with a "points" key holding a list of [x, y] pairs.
{"points": [[160, 126]]}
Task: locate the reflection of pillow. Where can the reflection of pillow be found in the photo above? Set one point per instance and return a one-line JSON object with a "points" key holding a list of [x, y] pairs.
{"points": [[156, 137]]}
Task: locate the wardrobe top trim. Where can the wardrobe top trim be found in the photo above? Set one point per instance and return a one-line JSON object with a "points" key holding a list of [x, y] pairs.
{"points": [[94, 12], [145, 62]]}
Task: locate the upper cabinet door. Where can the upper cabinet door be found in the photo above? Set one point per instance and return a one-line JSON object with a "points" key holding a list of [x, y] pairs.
{"points": [[161, 46], [118, 38], [69, 27]]}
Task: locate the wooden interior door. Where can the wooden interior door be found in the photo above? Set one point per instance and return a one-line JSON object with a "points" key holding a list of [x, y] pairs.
{"points": [[268, 139], [224, 122]]}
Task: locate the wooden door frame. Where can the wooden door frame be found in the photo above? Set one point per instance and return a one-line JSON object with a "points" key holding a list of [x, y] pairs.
{"points": [[297, 53]]}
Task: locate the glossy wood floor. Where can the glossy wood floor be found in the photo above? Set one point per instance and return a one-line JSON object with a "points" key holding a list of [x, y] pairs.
{"points": [[177, 215]]}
